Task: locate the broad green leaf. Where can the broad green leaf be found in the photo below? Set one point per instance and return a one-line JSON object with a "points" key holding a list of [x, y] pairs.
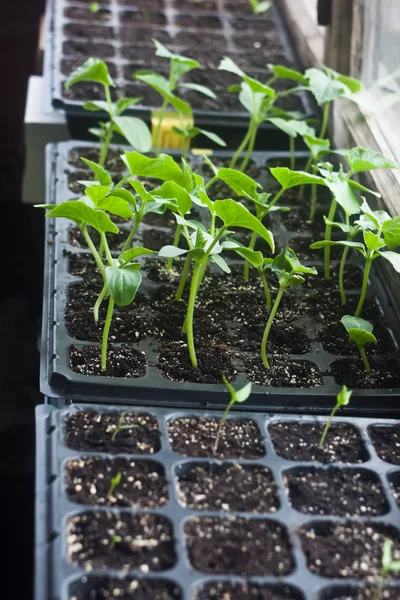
{"points": [[209, 134], [171, 252], [239, 182], [123, 104], [82, 214], [221, 263], [341, 189], [323, 243], [234, 214], [242, 394], [161, 85], [101, 198], [286, 73], [163, 167], [361, 337], [317, 146], [189, 182], [123, 284], [252, 102], [135, 131], [283, 125], [392, 257], [391, 233], [252, 256], [135, 252], [125, 195], [101, 174], [323, 88], [93, 69], [353, 85], [343, 397], [345, 228], [172, 190], [289, 179], [227, 64], [286, 264], [202, 89], [156, 206], [373, 241], [189, 223], [360, 160], [162, 51], [350, 322], [96, 105], [141, 191], [260, 6]]}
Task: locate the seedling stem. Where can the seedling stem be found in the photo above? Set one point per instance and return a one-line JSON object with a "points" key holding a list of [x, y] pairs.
{"points": [[342, 399]]}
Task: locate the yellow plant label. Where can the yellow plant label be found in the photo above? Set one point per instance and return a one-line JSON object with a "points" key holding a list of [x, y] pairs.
{"points": [[202, 151], [168, 137]]}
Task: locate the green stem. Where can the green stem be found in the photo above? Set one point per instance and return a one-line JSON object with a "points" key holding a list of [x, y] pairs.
{"points": [[242, 146], [157, 142], [268, 327], [106, 331], [313, 202], [274, 201], [92, 248], [183, 279], [328, 424], [364, 359], [190, 313], [306, 170], [341, 275], [110, 129], [327, 249], [103, 294], [368, 263], [186, 144], [292, 153], [379, 587], [250, 148], [132, 233], [175, 243], [253, 240], [267, 291], [210, 182], [325, 120]]}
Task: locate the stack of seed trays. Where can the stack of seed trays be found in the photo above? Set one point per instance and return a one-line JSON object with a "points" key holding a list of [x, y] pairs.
{"points": [[134, 502], [314, 356], [121, 33]]}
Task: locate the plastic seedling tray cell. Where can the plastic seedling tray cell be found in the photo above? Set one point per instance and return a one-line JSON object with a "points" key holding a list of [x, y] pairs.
{"points": [[234, 497], [302, 339], [121, 34]]}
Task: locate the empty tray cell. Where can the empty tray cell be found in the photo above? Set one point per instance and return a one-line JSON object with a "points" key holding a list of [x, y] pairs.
{"points": [[213, 362], [283, 372], [112, 432], [142, 18], [386, 441], [85, 49], [118, 482], [113, 162], [192, 436], [149, 4], [104, 588], [385, 373], [125, 541], [347, 550], [358, 593], [88, 32], [84, 14], [334, 491], [246, 591], [210, 6], [227, 487], [300, 441], [198, 21], [137, 36], [394, 480], [238, 546]]}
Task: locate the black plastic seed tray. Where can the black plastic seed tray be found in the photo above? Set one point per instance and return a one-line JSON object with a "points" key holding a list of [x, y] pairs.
{"points": [[318, 362], [65, 569], [121, 33]]}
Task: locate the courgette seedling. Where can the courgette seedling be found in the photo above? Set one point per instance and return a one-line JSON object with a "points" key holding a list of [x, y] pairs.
{"points": [[188, 131], [289, 271], [239, 396], [94, 7], [134, 130], [388, 564], [342, 399], [120, 426], [167, 87], [360, 333], [115, 481], [116, 539], [260, 7]]}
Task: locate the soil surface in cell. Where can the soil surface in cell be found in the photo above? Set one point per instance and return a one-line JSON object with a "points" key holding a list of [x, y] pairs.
{"points": [[384, 373], [335, 339], [347, 550], [342, 492], [244, 591], [123, 362], [238, 546], [112, 432], [300, 441], [235, 488], [386, 440], [130, 589], [116, 482], [368, 594], [126, 541], [239, 438]]}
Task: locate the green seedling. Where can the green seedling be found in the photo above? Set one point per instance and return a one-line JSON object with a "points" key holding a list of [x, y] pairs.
{"points": [[189, 132], [260, 6], [94, 7], [115, 481], [360, 332], [387, 236], [289, 271], [168, 87], [116, 539], [318, 148], [293, 129], [134, 130], [342, 399], [388, 564], [239, 396], [120, 426]]}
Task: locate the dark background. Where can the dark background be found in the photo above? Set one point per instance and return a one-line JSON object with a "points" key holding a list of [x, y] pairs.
{"points": [[20, 301]]}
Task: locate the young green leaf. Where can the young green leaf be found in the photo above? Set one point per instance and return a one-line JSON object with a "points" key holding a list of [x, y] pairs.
{"points": [[239, 182], [82, 214], [162, 167], [234, 214], [135, 131], [282, 72], [360, 159], [101, 174], [317, 146], [93, 69], [161, 85], [342, 399], [123, 284], [289, 179], [360, 332], [239, 396], [195, 87], [391, 231], [115, 481]]}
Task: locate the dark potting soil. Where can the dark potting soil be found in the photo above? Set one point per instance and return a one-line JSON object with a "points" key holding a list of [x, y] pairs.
{"points": [[94, 432], [368, 594], [386, 441], [300, 441], [234, 488], [348, 549], [342, 492], [213, 362], [156, 239], [385, 373], [238, 546], [93, 32], [352, 279], [142, 17], [121, 362], [239, 438], [81, 265], [115, 242], [142, 483], [335, 339], [104, 588], [113, 161], [125, 541], [282, 372], [244, 591], [74, 12]]}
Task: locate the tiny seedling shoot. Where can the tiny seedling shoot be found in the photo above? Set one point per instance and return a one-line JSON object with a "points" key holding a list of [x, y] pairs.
{"points": [[134, 130], [116, 539], [342, 399], [120, 426], [236, 396], [260, 6], [289, 271], [360, 333], [115, 481], [388, 564]]}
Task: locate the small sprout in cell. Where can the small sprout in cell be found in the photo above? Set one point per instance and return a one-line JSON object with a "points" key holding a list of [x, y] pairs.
{"points": [[121, 426], [342, 399], [115, 481], [116, 539], [236, 396], [388, 564], [360, 332], [260, 7], [94, 7]]}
